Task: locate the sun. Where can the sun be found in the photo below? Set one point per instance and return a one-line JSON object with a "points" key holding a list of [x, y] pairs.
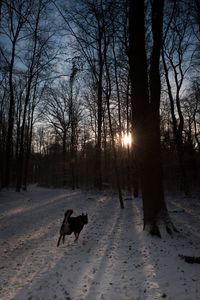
{"points": [[127, 139]]}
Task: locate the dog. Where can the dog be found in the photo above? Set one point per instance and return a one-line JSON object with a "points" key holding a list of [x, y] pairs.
{"points": [[72, 224]]}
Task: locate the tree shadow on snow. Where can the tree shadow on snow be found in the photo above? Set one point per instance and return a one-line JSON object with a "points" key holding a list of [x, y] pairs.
{"points": [[113, 259]]}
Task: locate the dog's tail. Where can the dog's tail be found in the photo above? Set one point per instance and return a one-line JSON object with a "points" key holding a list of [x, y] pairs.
{"points": [[65, 226], [68, 213]]}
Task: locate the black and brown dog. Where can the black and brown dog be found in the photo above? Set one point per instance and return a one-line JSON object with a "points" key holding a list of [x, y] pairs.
{"points": [[72, 224]]}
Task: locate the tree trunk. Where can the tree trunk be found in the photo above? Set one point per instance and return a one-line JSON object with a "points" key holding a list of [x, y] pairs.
{"points": [[116, 168], [146, 119], [177, 130], [9, 141], [28, 149], [20, 162], [108, 94], [98, 164]]}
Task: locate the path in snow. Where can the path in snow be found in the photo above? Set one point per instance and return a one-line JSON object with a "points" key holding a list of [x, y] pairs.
{"points": [[113, 258]]}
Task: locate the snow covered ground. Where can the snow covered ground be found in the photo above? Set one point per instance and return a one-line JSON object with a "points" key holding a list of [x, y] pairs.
{"points": [[113, 259]]}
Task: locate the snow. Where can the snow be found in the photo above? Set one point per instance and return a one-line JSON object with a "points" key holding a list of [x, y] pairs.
{"points": [[113, 258]]}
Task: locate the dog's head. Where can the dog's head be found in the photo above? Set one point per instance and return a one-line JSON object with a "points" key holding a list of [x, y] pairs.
{"points": [[85, 218]]}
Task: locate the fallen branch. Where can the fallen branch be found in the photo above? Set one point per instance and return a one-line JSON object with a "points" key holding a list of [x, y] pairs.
{"points": [[191, 259]]}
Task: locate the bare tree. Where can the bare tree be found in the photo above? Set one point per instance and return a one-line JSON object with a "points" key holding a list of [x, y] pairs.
{"points": [[177, 46], [74, 114], [146, 118], [36, 64], [108, 91], [62, 110], [15, 18], [86, 25]]}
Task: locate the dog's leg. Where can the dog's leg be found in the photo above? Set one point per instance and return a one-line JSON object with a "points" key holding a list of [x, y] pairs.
{"points": [[59, 240], [63, 238], [76, 236]]}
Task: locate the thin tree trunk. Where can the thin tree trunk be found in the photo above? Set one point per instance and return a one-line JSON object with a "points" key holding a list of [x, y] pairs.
{"points": [[177, 131], [98, 165], [72, 157], [116, 168], [196, 134], [9, 141], [118, 93], [20, 162], [108, 93], [28, 150]]}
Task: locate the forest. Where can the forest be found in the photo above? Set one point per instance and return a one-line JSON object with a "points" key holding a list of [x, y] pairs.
{"points": [[99, 119], [100, 94]]}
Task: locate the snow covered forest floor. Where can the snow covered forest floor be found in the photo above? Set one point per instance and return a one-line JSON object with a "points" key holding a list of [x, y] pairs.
{"points": [[113, 259]]}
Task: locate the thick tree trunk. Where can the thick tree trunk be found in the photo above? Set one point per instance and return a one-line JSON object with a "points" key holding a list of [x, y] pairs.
{"points": [[146, 119]]}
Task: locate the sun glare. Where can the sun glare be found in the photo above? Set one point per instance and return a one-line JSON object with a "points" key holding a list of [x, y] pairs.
{"points": [[127, 139]]}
